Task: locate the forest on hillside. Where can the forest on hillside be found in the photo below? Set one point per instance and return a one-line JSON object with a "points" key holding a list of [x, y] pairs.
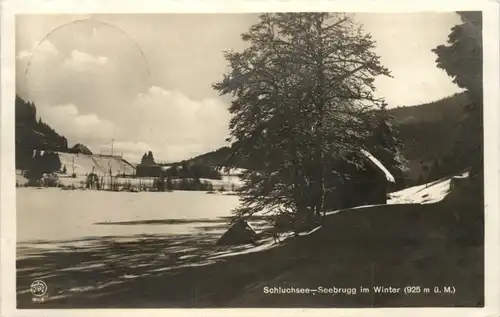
{"points": [[427, 133], [31, 134]]}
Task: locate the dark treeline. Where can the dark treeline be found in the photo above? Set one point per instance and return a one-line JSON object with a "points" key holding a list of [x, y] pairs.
{"points": [[432, 133], [191, 184], [220, 158], [193, 170]]}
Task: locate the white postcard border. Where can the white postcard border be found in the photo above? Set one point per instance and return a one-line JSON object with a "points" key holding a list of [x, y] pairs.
{"points": [[491, 132]]}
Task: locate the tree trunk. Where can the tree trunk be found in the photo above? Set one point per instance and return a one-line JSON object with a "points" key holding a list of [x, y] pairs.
{"points": [[320, 207]]}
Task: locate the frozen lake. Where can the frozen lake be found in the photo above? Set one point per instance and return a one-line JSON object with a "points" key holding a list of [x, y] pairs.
{"points": [[52, 214]]}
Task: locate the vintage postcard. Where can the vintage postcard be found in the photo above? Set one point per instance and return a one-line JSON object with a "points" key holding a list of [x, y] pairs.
{"points": [[236, 158]]}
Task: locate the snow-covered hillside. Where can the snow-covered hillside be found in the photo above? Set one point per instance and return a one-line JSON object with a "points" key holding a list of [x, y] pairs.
{"points": [[82, 164]]}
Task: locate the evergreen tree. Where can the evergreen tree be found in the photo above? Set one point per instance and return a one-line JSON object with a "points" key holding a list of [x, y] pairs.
{"points": [[462, 58], [57, 163], [144, 159], [150, 158], [48, 162], [302, 90], [34, 170]]}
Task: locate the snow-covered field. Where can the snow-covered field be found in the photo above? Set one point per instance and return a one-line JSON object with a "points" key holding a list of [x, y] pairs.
{"points": [[53, 214]]}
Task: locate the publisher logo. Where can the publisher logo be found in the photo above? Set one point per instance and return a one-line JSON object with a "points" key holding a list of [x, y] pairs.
{"points": [[38, 288]]}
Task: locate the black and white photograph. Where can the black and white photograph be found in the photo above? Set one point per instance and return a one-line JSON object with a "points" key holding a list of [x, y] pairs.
{"points": [[249, 160]]}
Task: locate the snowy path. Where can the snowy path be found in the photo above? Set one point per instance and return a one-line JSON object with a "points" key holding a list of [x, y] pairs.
{"points": [[424, 194]]}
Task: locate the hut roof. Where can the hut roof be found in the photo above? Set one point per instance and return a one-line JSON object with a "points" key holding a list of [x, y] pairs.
{"points": [[376, 163]]}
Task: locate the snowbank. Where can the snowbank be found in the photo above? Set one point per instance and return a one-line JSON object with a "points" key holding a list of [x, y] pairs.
{"points": [[425, 194]]}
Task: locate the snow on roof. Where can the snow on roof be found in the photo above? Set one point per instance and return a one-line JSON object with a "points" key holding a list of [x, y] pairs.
{"points": [[379, 165]]}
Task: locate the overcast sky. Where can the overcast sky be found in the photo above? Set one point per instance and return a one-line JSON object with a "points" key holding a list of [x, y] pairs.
{"points": [[145, 80]]}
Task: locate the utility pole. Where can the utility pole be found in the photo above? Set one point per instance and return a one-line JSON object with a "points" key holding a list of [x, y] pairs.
{"points": [[112, 140]]}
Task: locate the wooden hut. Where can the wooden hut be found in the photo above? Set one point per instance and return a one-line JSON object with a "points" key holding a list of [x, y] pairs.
{"points": [[367, 184]]}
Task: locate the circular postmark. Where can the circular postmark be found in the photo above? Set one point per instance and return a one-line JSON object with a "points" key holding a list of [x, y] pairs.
{"points": [[38, 288]]}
